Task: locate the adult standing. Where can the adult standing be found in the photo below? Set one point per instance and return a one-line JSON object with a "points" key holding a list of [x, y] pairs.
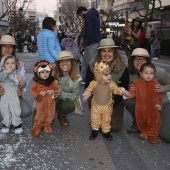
{"points": [[140, 56], [47, 40], [92, 35], [108, 52], [67, 76], [136, 29], [7, 47]]}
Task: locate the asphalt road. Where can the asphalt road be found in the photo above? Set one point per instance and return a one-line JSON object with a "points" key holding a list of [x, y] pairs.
{"points": [[70, 149]]}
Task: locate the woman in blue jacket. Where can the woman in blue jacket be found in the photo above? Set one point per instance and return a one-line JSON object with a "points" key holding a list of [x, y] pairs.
{"points": [[48, 43]]}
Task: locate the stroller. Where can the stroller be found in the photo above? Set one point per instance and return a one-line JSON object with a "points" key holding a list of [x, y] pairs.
{"points": [[69, 45]]}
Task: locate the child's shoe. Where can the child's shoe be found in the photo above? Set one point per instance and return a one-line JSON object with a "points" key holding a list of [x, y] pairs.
{"points": [[36, 132], [18, 130], [48, 129], [107, 135], [153, 139], [143, 136], [93, 134], [4, 130]]}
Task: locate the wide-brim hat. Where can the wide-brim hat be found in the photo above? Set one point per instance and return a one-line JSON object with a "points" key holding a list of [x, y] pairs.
{"points": [[137, 19], [107, 43], [7, 39], [64, 55], [140, 52]]}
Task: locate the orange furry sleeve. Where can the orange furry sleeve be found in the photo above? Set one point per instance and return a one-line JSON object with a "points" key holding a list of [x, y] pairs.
{"points": [[34, 90]]}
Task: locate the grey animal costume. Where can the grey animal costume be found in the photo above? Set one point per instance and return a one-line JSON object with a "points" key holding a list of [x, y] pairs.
{"points": [[9, 103]]}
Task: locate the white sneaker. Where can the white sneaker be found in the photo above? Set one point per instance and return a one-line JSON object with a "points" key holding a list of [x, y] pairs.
{"points": [[18, 131], [4, 130], [155, 58]]}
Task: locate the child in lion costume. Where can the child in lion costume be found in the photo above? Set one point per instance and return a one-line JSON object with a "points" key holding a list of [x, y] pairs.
{"points": [[102, 89], [42, 90]]}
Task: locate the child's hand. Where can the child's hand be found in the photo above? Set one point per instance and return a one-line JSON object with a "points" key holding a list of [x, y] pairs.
{"points": [[126, 93], [85, 97], [57, 94], [158, 107], [50, 92], [20, 80], [42, 93]]}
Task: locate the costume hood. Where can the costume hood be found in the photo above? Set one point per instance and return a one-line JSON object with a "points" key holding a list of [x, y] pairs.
{"points": [[43, 65], [3, 60], [99, 69]]}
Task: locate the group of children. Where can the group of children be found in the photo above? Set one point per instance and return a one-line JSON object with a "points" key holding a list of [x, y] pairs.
{"points": [[44, 87]]}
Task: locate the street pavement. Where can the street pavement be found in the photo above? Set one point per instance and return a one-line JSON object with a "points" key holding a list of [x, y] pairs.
{"points": [[69, 148]]}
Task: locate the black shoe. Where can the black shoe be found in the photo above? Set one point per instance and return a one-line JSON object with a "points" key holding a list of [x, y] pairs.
{"points": [[107, 135], [133, 129], [93, 134]]}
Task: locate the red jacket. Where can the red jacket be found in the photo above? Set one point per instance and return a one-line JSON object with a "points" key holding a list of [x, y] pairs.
{"points": [[142, 37]]}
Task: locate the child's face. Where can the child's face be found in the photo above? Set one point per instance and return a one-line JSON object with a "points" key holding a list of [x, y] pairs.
{"points": [[147, 74], [106, 76], [129, 24], [44, 74], [10, 64]]}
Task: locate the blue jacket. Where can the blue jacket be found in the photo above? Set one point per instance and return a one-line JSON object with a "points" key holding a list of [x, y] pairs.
{"points": [[48, 46], [92, 27]]}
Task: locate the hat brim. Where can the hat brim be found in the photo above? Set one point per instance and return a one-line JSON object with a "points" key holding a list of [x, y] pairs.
{"points": [[7, 43], [137, 20], [141, 55], [109, 46], [66, 58]]}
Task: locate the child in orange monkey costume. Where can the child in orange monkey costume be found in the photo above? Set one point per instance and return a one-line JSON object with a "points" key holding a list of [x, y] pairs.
{"points": [[102, 103], [42, 90], [148, 103]]}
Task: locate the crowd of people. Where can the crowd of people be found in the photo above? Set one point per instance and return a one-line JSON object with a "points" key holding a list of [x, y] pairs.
{"points": [[56, 87]]}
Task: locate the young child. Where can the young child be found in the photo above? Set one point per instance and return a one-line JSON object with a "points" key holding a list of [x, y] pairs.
{"points": [[148, 103], [42, 90], [11, 79], [126, 33], [102, 103]]}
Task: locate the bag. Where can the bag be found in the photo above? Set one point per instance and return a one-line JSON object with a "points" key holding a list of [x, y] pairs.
{"points": [[78, 107]]}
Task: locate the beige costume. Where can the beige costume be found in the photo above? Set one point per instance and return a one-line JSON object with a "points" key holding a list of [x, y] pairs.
{"points": [[102, 103]]}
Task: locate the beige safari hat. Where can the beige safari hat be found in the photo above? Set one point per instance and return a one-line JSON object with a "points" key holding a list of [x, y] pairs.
{"points": [[65, 55], [107, 43], [140, 52], [7, 39]]}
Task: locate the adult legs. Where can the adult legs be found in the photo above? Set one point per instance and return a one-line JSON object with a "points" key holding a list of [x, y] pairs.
{"points": [[129, 104], [89, 54], [117, 118], [63, 108], [165, 125], [26, 109]]}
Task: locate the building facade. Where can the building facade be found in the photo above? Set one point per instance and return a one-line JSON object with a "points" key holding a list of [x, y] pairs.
{"points": [[4, 24]]}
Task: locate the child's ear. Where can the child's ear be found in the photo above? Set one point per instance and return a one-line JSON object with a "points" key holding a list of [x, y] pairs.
{"points": [[140, 74]]}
